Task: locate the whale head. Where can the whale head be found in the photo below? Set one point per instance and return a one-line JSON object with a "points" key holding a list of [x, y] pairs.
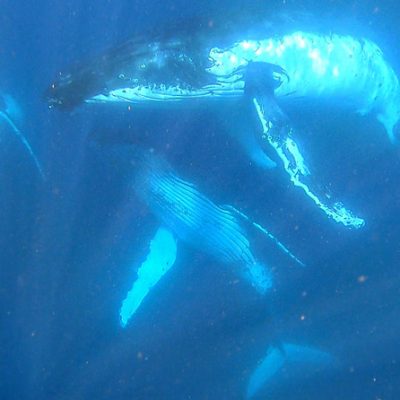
{"points": [[135, 72]]}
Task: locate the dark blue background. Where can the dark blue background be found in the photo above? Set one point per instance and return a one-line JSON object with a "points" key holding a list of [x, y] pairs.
{"points": [[68, 246]]}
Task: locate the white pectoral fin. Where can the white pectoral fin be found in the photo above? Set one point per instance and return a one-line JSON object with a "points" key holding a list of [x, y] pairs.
{"points": [[267, 233], [290, 361], [159, 260], [277, 132]]}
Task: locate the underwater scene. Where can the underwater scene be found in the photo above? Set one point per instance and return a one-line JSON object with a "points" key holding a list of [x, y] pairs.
{"points": [[199, 200]]}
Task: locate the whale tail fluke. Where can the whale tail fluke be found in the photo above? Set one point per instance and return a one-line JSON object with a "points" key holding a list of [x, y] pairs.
{"points": [[286, 360], [10, 113]]}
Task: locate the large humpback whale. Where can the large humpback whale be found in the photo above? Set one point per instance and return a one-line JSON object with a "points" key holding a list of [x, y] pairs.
{"points": [[267, 70]]}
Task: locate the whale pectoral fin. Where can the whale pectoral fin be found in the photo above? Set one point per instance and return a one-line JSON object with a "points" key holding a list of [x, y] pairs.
{"points": [[160, 259], [293, 359], [267, 233], [277, 131]]}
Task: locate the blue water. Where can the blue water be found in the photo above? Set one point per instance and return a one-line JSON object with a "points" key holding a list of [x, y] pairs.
{"points": [[69, 246]]}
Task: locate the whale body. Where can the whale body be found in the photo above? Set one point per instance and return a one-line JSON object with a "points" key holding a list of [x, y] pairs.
{"points": [[187, 216], [349, 72]]}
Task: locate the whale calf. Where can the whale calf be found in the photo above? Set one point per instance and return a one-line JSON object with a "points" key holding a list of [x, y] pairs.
{"points": [[343, 70], [187, 216]]}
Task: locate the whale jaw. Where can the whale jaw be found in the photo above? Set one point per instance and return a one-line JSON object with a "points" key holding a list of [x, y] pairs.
{"points": [[137, 70]]}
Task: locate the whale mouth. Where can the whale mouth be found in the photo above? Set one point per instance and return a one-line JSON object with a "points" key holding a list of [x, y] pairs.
{"points": [[154, 92], [165, 93]]}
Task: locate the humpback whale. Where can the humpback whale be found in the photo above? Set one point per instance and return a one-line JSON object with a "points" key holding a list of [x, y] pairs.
{"points": [[9, 113], [187, 216], [268, 71]]}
